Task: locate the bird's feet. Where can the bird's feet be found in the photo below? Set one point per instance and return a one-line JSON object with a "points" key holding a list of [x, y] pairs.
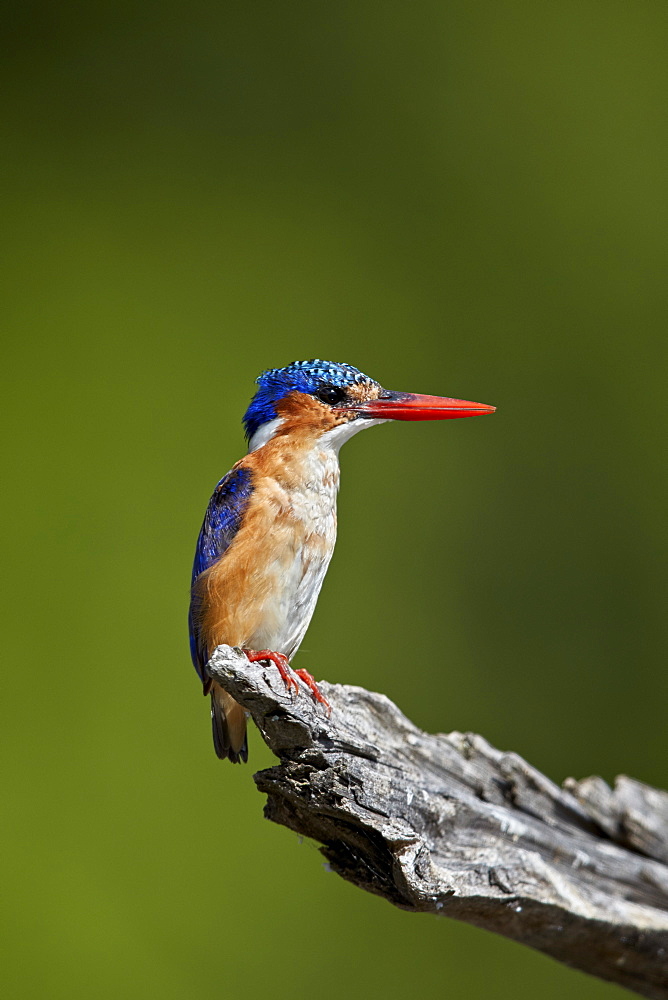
{"points": [[314, 689], [283, 667], [281, 662]]}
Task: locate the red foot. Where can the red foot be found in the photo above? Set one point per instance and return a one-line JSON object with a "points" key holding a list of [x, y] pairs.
{"points": [[313, 687], [281, 662]]}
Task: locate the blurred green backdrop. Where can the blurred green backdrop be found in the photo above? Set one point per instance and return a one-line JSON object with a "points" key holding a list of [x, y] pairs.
{"points": [[464, 199]]}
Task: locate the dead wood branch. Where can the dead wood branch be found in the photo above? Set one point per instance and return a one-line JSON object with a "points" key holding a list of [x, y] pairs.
{"points": [[448, 824]]}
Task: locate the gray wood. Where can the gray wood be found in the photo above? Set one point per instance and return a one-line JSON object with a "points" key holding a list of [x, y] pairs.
{"points": [[447, 824]]}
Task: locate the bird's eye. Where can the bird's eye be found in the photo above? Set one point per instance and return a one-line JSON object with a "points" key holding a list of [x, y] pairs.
{"points": [[330, 394]]}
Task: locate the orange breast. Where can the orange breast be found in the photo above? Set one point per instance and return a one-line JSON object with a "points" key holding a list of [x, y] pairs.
{"points": [[262, 592]]}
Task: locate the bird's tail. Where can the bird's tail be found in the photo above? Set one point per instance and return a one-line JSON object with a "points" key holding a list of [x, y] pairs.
{"points": [[228, 722]]}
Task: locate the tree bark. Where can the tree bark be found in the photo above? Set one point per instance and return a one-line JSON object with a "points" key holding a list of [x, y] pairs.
{"points": [[447, 824]]}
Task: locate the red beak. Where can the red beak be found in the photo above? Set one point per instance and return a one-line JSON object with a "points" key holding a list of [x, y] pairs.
{"points": [[409, 406]]}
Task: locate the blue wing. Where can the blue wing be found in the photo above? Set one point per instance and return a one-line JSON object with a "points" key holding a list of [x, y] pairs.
{"points": [[221, 522]]}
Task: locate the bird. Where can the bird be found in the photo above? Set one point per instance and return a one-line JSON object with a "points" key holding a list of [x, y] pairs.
{"points": [[270, 526]]}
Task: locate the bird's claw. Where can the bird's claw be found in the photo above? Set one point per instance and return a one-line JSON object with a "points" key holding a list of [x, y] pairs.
{"points": [[281, 663], [288, 676], [314, 689]]}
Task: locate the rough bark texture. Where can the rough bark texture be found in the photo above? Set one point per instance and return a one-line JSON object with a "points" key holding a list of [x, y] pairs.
{"points": [[447, 824]]}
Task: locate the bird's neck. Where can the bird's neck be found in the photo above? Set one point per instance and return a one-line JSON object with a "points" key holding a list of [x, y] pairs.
{"points": [[299, 462]]}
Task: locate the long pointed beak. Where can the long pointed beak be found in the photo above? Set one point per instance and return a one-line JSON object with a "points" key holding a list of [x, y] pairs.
{"points": [[410, 406]]}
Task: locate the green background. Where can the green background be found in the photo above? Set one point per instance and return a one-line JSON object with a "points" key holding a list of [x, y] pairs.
{"points": [[459, 198]]}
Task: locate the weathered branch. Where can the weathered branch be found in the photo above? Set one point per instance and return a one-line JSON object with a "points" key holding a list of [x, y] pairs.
{"points": [[449, 825]]}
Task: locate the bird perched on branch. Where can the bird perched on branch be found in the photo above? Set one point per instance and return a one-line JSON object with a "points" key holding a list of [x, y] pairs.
{"points": [[270, 527]]}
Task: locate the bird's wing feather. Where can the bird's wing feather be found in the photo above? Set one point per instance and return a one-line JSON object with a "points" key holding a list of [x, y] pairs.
{"points": [[221, 522]]}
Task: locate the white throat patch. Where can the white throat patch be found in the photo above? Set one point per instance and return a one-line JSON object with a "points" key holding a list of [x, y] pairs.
{"points": [[333, 438], [343, 432]]}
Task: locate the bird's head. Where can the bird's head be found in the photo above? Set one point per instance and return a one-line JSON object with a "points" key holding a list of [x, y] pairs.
{"points": [[321, 396]]}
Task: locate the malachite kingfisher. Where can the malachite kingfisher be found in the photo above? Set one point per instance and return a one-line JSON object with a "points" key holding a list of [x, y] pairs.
{"points": [[270, 527]]}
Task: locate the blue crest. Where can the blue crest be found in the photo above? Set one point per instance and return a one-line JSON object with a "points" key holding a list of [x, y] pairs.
{"points": [[300, 376]]}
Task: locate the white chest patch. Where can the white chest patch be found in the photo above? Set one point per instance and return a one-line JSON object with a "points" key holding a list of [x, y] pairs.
{"points": [[302, 544], [302, 550]]}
